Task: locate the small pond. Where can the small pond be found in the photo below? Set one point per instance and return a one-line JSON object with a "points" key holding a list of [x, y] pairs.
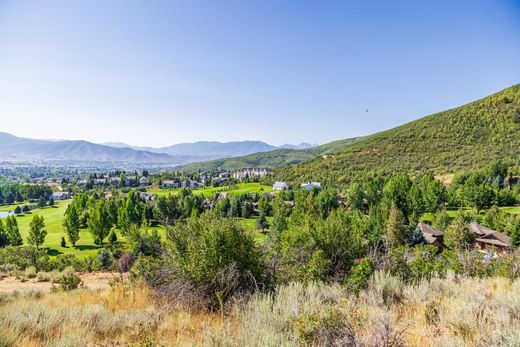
{"points": [[5, 214]]}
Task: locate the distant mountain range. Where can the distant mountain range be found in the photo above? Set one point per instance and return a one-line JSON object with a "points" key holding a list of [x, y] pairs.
{"points": [[18, 149], [212, 148]]}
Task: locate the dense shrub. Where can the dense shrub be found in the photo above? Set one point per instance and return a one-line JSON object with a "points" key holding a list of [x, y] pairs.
{"points": [[69, 282], [217, 257]]}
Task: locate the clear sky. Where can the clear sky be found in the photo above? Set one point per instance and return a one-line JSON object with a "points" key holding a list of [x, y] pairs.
{"points": [[149, 72]]}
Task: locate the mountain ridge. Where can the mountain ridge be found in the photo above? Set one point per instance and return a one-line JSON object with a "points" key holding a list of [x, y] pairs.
{"points": [[214, 148], [18, 149], [467, 137]]}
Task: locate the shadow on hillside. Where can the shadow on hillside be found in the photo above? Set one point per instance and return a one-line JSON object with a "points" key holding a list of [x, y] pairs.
{"points": [[53, 252], [86, 247]]}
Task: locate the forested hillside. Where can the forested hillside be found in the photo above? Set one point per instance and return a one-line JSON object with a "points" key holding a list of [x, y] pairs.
{"points": [[271, 159], [467, 137]]}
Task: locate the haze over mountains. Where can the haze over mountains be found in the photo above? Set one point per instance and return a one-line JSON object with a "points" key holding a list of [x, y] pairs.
{"points": [[212, 148], [467, 137], [18, 149]]}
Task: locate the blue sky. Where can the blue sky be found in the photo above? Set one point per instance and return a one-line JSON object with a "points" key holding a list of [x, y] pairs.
{"points": [[163, 72]]}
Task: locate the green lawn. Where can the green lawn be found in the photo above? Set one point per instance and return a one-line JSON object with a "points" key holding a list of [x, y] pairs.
{"points": [[240, 188], [53, 217], [452, 212], [10, 208]]}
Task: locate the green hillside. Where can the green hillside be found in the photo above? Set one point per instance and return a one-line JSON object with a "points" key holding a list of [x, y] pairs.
{"points": [[271, 159], [467, 137]]}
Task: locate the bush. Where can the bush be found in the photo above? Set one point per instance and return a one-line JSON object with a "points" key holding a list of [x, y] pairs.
{"points": [[69, 282], [105, 259], [30, 272], [125, 262], [23, 256], [360, 274], [216, 257]]}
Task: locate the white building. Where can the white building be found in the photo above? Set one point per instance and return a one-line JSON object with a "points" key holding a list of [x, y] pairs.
{"points": [[144, 181], [248, 173], [310, 185], [61, 195], [168, 183], [280, 186]]}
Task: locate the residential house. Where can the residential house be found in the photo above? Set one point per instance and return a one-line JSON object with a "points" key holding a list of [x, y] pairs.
{"points": [[280, 186], [169, 184], [487, 238], [207, 204], [147, 196], [433, 236], [310, 185], [144, 181], [61, 195]]}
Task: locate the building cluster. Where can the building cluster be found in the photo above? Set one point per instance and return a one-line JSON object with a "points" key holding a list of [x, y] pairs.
{"points": [[250, 173], [306, 186], [181, 183], [488, 241]]}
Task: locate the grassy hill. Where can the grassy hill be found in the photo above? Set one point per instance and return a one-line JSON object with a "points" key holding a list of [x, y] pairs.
{"points": [[271, 159], [467, 137]]}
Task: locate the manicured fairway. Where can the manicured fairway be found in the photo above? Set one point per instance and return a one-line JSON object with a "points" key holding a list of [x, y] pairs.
{"points": [[240, 188], [53, 216], [452, 212]]}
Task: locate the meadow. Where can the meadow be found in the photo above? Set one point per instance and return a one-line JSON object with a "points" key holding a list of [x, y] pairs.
{"points": [[455, 311]]}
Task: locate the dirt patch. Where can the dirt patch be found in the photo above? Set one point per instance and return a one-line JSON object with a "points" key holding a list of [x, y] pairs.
{"points": [[93, 281]]}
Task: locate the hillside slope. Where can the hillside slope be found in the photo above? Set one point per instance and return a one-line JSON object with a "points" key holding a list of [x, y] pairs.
{"points": [[467, 137], [270, 159]]}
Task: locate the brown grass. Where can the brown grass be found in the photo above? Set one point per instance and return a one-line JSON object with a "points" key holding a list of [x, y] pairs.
{"points": [[441, 312]]}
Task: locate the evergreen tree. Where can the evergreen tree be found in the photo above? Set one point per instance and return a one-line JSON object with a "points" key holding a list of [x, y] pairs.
{"points": [[4, 240], [441, 220], [17, 210], [37, 232], [458, 236], [42, 202], [262, 223], [13, 232], [396, 230], [112, 238]]}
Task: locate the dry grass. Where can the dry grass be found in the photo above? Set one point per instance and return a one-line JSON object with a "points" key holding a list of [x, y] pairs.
{"points": [[441, 312]]}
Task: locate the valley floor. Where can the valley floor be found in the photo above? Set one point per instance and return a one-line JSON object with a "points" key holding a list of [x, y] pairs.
{"points": [[440, 312]]}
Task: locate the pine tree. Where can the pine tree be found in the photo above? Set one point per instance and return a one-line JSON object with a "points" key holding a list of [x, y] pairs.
{"points": [[458, 236], [396, 230], [13, 232], [262, 223], [4, 241], [112, 238]]}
